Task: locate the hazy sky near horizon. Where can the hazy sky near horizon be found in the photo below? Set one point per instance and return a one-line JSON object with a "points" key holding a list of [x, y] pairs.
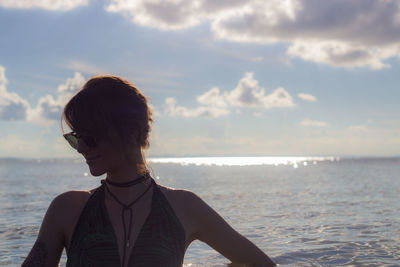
{"points": [[224, 77]]}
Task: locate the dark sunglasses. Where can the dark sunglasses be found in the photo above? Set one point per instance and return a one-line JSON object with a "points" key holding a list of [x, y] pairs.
{"points": [[73, 138]]}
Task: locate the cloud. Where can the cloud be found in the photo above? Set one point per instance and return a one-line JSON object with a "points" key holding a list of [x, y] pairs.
{"points": [[165, 15], [247, 94], [70, 87], [53, 5], [312, 123], [12, 106], [342, 54], [341, 33], [203, 111], [307, 97], [155, 112], [213, 98], [49, 108]]}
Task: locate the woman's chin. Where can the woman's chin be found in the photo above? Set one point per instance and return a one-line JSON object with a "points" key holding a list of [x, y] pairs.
{"points": [[96, 172]]}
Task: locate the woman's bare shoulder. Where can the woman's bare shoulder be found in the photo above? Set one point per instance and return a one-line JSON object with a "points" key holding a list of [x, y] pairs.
{"points": [[73, 196], [68, 205], [183, 196], [186, 201]]}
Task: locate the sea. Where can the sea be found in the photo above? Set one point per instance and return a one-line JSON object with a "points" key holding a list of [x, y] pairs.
{"points": [[301, 211]]}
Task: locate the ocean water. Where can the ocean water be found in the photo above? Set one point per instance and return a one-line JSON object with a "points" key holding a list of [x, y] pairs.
{"points": [[300, 211]]}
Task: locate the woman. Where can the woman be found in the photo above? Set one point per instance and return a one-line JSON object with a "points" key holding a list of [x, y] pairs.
{"points": [[129, 220]]}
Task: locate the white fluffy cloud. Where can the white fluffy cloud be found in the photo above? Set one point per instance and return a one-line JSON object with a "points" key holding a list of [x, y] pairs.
{"points": [[213, 98], [343, 54], [313, 123], [166, 15], [247, 94], [203, 111], [307, 97], [212, 105], [54, 5], [340, 33], [12, 106], [50, 108]]}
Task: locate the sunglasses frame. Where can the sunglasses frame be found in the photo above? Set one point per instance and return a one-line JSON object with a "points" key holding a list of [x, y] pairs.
{"points": [[73, 138]]}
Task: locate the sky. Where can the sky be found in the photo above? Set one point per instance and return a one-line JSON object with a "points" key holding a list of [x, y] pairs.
{"points": [[224, 77]]}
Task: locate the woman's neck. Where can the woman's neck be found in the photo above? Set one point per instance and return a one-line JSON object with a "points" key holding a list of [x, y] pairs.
{"points": [[125, 174]]}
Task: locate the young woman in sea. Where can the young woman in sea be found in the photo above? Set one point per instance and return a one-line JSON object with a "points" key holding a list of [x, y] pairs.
{"points": [[129, 220]]}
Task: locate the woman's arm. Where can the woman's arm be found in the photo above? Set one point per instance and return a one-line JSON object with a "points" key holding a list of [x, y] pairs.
{"points": [[46, 251], [212, 229]]}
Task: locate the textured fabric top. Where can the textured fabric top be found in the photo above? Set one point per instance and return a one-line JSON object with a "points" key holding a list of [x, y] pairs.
{"points": [[161, 241]]}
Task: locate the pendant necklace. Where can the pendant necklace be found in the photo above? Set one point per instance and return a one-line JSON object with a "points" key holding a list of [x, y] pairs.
{"points": [[127, 207]]}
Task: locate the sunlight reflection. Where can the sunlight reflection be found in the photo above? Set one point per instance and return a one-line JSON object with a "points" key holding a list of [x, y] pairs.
{"points": [[244, 161]]}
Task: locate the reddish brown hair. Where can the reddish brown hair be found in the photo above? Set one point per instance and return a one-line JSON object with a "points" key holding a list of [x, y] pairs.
{"points": [[110, 107]]}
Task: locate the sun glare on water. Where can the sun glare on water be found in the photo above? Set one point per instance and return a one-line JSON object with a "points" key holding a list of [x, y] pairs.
{"points": [[244, 161]]}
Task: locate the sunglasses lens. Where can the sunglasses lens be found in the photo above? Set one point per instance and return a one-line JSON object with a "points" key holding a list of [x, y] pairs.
{"points": [[72, 140]]}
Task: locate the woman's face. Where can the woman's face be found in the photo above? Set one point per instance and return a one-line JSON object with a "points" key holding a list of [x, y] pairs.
{"points": [[102, 158]]}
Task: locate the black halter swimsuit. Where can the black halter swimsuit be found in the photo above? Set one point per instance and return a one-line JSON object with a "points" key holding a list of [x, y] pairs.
{"points": [[161, 241]]}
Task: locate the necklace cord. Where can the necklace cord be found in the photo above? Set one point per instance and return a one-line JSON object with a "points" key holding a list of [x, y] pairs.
{"points": [[127, 208]]}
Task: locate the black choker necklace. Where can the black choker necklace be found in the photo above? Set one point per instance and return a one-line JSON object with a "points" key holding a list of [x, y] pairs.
{"points": [[127, 184]]}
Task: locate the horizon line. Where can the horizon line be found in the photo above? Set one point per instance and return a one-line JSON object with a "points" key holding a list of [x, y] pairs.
{"points": [[355, 156]]}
